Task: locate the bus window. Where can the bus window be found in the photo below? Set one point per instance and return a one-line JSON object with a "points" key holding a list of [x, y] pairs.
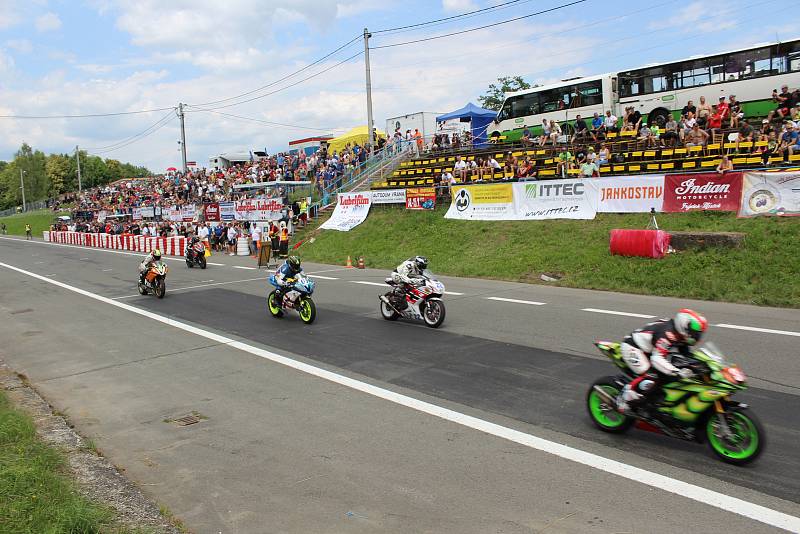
{"points": [[524, 105], [695, 73], [505, 112], [551, 100], [590, 93], [748, 64]]}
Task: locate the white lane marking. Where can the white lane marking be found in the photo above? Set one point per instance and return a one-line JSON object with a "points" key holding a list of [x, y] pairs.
{"points": [[90, 249], [756, 329], [38, 262], [453, 293], [195, 287], [517, 301], [612, 312], [637, 474], [367, 283], [217, 264], [106, 270], [329, 270], [323, 277], [243, 267], [84, 259]]}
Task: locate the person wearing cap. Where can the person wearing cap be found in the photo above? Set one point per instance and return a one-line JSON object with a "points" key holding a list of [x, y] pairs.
{"points": [[789, 138], [784, 101], [646, 136], [735, 110], [765, 131]]}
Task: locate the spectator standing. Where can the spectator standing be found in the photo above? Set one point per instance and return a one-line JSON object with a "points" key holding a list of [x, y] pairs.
{"points": [[28, 234], [231, 235], [255, 240], [703, 111]]}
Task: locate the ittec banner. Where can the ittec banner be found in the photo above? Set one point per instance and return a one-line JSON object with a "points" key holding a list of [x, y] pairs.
{"points": [[555, 199], [494, 202], [351, 210], [702, 192], [420, 198], [389, 196], [770, 193], [630, 194]]}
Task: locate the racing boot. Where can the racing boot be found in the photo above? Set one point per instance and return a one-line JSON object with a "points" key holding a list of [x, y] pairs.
{"points": [[627, 400]]}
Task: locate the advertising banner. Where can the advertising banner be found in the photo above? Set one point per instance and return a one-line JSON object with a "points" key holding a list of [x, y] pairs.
{"points": [[420, 198], [630, 194], [389, 196], [702, 192], [770, 193], [227, 211], [136, 214], [493, 202], [351, 210], [188, 212], [174, 214], [555, 199], [212, 212], [258, 210], [149, 212]]}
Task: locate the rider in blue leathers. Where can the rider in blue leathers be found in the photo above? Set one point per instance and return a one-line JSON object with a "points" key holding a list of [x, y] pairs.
{"points": [[288, 271]]}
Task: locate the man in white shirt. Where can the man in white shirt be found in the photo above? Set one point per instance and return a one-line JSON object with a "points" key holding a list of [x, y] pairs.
{"points": [[202, 233], [255, 236], [610, 121], [460, 169]]}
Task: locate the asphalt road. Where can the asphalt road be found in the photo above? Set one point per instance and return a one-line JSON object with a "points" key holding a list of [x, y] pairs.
{"points": [[524, 362]]}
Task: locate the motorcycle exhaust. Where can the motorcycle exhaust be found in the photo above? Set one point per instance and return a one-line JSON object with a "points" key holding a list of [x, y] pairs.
{"points": [[385, 300], [605, 396]]}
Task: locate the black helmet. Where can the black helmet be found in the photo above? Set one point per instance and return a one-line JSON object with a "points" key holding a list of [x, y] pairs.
{"points": [[294, 262], [421, 262]]}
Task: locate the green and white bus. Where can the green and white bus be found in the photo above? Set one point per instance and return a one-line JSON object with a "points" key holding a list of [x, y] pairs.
{"points": [[657, 90]]}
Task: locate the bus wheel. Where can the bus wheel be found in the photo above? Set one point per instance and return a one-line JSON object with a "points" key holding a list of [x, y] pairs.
{"points": [[658, 117]]}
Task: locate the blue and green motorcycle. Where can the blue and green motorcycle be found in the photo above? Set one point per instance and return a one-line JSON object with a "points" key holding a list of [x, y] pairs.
{"points": [[695, 409]]}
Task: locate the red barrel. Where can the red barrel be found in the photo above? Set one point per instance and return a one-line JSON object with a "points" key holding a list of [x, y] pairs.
{"points": [[643, 243]]}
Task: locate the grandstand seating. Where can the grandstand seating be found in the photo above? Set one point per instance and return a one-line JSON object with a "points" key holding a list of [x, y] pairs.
{"points": [[427, 169]]}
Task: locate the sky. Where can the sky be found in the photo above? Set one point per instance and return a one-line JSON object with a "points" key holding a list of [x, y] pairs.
{"points": [[78, 57]]}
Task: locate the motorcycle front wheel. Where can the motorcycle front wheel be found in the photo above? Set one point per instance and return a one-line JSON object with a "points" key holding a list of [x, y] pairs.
{"points": [[274, 306], [604, 415], [189, 262], [160, 289], [745, 442], [433, 314], [202, 261], [142, 289], [307, 310]]}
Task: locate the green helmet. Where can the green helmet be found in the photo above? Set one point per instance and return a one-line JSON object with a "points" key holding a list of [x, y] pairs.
{"points": [[294, 262], [156, 254]]}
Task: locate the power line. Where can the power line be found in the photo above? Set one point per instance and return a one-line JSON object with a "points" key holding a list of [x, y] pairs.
{"points": [[88, 115], [137, 138], [454, 17], [289, 86], [507, 21], [263, 121], [112, 146], [273, 83]]}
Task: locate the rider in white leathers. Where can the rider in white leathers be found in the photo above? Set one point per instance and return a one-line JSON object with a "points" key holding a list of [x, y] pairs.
{"points": [[409, 272], [153, 257]]}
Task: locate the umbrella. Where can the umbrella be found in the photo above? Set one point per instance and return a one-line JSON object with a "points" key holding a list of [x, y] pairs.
{"points": [[171, 169]]}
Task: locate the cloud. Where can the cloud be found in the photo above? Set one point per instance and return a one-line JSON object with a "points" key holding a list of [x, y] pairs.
{"points": [[701, 16], [22, 46], [459, 6], [48, 22]]}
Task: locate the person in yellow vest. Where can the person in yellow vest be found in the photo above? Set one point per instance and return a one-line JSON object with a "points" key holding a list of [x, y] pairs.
{"points": [[303, 215], [284, 240], [28, 232], [273, 233]]}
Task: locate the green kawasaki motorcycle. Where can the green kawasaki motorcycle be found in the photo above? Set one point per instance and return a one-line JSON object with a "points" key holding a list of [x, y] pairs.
{"points": [[694, 409]]}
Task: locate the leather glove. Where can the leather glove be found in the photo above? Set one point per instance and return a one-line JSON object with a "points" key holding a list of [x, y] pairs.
{"points": [[685, 373]]}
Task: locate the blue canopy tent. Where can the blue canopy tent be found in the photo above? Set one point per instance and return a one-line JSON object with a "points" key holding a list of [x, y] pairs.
{"points": [[479, 119]]}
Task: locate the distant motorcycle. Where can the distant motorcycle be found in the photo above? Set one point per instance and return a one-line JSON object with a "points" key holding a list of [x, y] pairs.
{"points": [[694, 409], [297, 296], [196, 255], [155, 280], [420, 301]]}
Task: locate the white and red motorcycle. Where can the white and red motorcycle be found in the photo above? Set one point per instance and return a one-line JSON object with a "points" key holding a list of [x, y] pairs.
{"points": [[196, 255], [421, 300]]}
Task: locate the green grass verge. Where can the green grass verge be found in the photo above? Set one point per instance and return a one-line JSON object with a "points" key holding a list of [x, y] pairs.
{"points": [[36, 496], [765, 271], [40, 220]]}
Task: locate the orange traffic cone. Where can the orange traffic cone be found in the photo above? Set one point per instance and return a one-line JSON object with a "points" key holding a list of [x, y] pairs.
{"points": [[349, 264], [361, 263]]}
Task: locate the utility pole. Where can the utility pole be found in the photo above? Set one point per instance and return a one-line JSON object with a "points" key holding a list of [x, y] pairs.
{"points": [[367, 35], [22, 186], [183, 137], [78, 159]]}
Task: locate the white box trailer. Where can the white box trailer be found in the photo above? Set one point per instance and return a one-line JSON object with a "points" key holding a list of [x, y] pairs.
{"points": [[424, 121]]}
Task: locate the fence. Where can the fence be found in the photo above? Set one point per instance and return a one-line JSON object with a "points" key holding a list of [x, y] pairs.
{"points": [[36, 205]]}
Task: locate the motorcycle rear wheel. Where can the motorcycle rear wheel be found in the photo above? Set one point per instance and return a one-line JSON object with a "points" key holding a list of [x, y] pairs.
{"points": [[274, 306], [748, 439], [189, 263], [307, 310], [386, 311], [606, 417]]}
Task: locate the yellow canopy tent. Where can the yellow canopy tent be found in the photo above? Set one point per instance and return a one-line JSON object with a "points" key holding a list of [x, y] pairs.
{"points": [[359, 135]]}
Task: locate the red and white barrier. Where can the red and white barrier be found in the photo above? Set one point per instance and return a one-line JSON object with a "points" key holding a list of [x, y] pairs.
{"points": [[171, 246]]}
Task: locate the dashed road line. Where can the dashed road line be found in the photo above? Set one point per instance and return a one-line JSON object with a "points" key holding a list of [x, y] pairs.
{"points": [[323, 277], [517, 301], [454, 293], [756, 329], [613, 312], [655, 480], [217, 264], [243, 267], [196, 287], [367, 283]]}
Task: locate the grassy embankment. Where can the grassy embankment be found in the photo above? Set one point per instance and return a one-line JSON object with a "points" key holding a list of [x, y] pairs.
{"points": [[40, 220], [35, 493], [766, 271]]}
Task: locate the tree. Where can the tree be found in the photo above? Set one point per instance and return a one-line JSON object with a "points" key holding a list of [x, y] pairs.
{"points": [[493, 99], [57, 168]]}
